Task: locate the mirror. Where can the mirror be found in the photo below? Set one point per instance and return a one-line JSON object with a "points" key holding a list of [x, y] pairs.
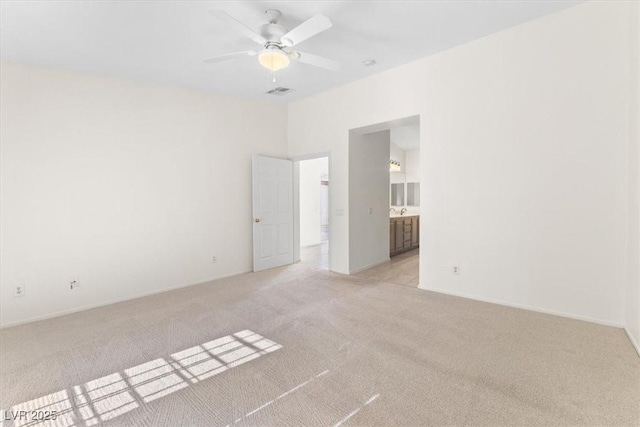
{"points": [[397, 194], [413, 194]]}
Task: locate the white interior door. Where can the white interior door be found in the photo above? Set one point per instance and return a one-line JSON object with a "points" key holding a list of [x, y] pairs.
{"points": [[272, 212]]}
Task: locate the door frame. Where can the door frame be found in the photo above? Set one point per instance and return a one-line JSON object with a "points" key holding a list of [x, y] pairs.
{"points": [[296, 201], [388, 125]]}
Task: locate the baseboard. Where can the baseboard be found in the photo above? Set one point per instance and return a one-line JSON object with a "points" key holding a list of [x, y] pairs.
{"points": [[115, 301], [633, 341], [358, 270], [527, 307]]}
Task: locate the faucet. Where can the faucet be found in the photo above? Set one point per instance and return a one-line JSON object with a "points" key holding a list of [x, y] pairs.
{"points": [[392, 210], [403, 211]]}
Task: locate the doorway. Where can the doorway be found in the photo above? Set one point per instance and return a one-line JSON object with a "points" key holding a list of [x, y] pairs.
{"points": [[404, 205], [384, 197], [273, 212], [313, 211]]}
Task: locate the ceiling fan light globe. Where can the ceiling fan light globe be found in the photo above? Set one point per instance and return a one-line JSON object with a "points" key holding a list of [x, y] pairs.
{"points": [[273, 60]]}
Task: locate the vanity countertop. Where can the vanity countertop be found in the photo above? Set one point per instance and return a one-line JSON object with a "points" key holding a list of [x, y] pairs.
{"points": [[406, 215]]}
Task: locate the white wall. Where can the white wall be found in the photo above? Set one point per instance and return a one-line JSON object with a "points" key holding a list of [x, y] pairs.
{"points": [[398, 154], [632, 297], [369, 199], [133, 187], [523, 143], [311, 172], [413, 170]]}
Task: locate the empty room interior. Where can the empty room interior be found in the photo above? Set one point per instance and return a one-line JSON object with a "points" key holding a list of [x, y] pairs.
{"points": [[320, 213]]}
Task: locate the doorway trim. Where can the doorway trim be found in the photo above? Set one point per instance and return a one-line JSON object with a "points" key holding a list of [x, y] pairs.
{"points": [[387, 125], [296, 201]]}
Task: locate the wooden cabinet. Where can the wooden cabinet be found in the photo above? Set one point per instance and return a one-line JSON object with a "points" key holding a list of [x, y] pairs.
{"points": [[392, 238], [404, 234], [415, 232], [399, 237]]}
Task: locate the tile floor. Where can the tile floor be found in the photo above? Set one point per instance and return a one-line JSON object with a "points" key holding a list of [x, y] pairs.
{"points": [[403, 269], [316, 256]]}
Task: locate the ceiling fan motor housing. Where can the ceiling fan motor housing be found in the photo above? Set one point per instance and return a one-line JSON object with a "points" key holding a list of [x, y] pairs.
{"points": [[272, 32]]}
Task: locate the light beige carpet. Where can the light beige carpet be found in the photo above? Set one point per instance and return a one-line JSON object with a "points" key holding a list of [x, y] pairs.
{"points": [[301, 346], [401, 269]]}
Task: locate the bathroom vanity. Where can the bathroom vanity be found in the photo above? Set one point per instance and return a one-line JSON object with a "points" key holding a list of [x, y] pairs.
{"points": [[404, 200], [404, 233]]}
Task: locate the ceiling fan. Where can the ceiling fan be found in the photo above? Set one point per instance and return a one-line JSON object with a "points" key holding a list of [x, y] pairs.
{"points": [[277, 42]]}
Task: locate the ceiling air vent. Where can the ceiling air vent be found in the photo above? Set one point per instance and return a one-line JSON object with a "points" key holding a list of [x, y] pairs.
{"points": [[279, 91]]}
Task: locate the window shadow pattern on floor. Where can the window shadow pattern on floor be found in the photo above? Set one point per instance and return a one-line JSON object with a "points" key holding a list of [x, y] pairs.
{"points": [[110, 396]]}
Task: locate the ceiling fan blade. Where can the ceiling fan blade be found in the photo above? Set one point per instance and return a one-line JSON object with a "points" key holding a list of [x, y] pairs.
{"points": [[318, 61], [229, 56], [233, 22], [307, 29]]}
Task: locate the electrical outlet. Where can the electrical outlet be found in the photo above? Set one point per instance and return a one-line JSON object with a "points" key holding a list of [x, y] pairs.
{"points": [[19, 290], [455, 269], [370, 211], [74, 282], [214, 259]]}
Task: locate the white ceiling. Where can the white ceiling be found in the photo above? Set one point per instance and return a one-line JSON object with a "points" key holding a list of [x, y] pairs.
{"points": [[166, 41], [406, 137]]}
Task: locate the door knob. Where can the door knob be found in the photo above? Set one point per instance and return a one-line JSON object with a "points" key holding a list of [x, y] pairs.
{"points": [[257, 220]]}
